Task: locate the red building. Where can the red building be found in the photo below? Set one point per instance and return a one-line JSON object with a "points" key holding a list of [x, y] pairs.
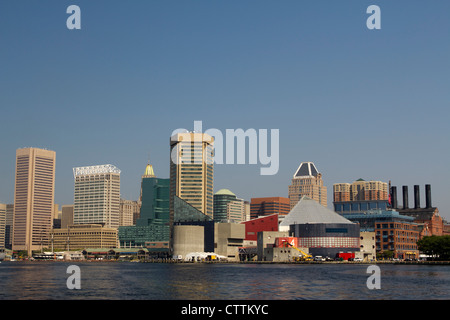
{"points": [[268, 206], [252, 227]]}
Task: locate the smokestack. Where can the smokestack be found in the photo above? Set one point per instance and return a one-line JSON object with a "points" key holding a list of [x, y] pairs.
{"points": [[428, 195], [405, 197], [416, 197], [394, 197]]}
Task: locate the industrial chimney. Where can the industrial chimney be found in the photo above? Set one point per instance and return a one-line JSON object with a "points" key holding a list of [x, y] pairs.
{"points": [[405, 197], [416, 197], [394, 197], [428, 195]]}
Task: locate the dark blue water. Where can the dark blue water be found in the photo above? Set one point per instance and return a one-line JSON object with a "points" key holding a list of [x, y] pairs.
{"points": [[152, 281]]}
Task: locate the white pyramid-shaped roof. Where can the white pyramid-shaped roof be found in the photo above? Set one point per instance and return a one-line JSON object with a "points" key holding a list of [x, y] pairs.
{"points": [[308, 210]]}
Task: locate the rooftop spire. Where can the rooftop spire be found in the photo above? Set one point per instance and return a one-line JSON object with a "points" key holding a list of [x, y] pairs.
{"points": [[149, 170]]}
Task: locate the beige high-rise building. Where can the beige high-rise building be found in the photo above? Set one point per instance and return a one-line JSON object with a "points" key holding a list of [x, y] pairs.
{"points": [[192, 170], [9, 225], [236, 210], [360, 190], [97, 195], [341, 192], [307, 181], [66, 216], [128, 210], [2, 224], [33, 198]]}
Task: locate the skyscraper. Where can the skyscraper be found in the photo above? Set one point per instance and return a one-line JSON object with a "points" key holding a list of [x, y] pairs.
{"points": [[307, 181], [192, 170], [2, 225], [33, 198], [97, 195], [152, 226], [359, 197], [360, 190]]}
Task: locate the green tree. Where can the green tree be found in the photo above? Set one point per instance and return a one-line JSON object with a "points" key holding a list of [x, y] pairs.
{"points": [[385, 254], [436, 246]]}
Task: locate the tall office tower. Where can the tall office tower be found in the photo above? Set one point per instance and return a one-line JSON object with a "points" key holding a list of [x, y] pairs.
{"points": [[2, 224], [97, 195], [192, 170], [9, 225], [307, 181], [33, 198]]}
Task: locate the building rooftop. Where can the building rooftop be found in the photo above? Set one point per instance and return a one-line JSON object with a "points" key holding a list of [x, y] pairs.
{"points": [[225, 192], [308, 210], [94, 170], [149, 171], [306, 169]]}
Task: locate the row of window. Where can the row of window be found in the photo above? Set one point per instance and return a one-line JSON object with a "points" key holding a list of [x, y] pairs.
{"points": [[329, 242]]}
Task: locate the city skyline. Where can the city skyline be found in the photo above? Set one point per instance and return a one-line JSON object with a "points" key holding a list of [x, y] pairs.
{"points": [[359, 103]]}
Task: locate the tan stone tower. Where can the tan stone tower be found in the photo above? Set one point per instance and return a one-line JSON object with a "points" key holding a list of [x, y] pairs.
{"points": [[33, 198], [307, 181], [192, 170]]}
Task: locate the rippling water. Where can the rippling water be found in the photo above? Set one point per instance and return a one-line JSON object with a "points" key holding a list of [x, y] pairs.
{"points": [[152, 281]]}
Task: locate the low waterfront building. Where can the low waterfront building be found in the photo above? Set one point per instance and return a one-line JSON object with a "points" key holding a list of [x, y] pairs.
{"points": [[100, 253], [252, 227], [266, 239], [399, 237], [367, 250], [187, 239], [320, 229], [223, 238], [78, 237], [428, 218], [228, 238], [283, 254], [394, 231]]}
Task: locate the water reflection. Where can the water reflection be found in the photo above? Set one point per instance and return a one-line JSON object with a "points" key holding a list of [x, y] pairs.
{"points": [[47, 280]]}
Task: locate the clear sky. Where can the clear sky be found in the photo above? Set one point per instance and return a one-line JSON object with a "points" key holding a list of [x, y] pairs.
{"points": [[359, 103]]}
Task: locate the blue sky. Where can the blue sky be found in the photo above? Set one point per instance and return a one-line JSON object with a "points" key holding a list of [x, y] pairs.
{"points": [[359, 103]]}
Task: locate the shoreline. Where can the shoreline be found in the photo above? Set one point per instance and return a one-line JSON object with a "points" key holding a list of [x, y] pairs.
{"points": [[247, 262]]}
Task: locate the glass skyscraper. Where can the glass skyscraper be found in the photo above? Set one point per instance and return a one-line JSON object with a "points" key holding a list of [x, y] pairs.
{"points": [[152, 229]]}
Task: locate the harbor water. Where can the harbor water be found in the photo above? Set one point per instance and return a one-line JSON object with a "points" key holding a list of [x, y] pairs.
{"points": [[200, 281]]}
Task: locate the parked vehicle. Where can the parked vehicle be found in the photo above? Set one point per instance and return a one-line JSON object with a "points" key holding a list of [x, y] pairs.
{"points": [[319, 258]]}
